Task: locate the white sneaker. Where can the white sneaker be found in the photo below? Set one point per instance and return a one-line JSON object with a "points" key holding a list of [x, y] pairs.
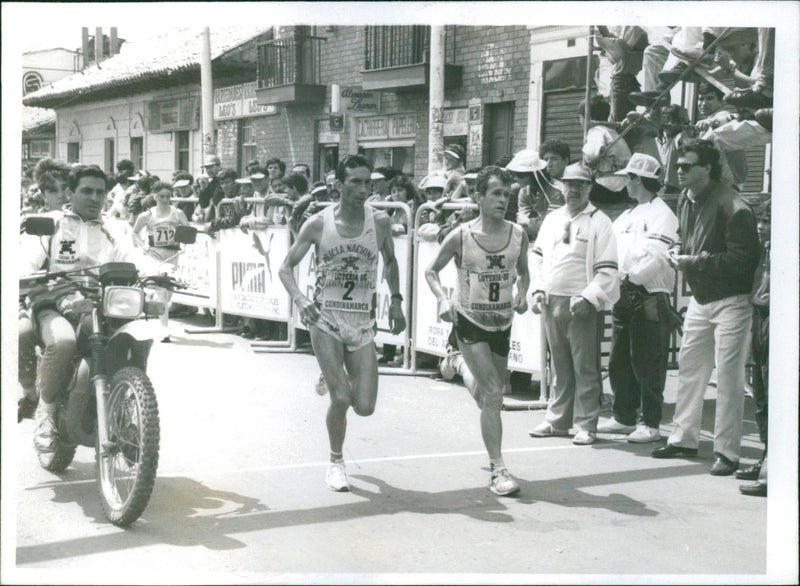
{"points": [[544, 429], [321, 386], [614, 426], [644, 435], [584, 438], [45, 433], [336, 477], [502, 483]]}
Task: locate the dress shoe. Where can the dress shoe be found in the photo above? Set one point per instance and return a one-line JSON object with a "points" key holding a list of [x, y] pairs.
{"points": [[749, 473], [671, 451], [747, 98], [646, 99], [693, 54], [722, 466], [755, 489], [670, 76]]}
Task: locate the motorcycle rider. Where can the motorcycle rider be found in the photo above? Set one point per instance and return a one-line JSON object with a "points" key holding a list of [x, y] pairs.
{"points": [[82, 239]]}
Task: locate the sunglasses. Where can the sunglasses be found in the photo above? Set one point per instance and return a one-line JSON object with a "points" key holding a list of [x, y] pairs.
{"points": [[686, 166]]}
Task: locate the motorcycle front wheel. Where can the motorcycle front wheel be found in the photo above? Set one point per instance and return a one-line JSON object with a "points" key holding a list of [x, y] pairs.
{"points": [[126, 469]]}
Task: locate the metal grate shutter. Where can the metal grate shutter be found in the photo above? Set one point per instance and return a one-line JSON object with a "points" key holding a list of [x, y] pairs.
{"points": [[560, 119]]}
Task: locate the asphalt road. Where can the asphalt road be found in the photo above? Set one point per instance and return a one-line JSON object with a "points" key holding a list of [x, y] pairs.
{"points": [[240, 494]]}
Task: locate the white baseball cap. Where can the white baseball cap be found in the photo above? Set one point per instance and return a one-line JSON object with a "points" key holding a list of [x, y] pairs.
{"points": [[577, 172], [642, 165], [181, 183]]}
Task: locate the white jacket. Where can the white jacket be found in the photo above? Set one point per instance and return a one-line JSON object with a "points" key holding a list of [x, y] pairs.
{"points": [[80, 244]]}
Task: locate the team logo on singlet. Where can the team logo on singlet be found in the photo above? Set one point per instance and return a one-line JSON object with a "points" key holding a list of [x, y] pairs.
{"points": [[495, 261]]}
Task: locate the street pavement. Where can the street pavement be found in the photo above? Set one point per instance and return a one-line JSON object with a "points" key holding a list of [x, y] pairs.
{"points": [[240, 494]]}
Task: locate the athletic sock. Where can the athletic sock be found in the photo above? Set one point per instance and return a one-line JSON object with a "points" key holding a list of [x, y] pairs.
{"points": [[336, 458], [48, 407], [496, 463]]}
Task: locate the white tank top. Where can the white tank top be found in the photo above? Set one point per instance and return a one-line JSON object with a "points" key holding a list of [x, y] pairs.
{"points": [[161, 232], [486, 278], [347, 268]]}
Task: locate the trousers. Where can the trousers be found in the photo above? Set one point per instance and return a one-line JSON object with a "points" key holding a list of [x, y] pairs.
{"points": [[575, 350], [60, 349], [719, 328], [637, 367]]}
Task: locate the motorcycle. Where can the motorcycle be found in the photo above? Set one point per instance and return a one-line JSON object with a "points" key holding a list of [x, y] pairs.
{"points": [[109, 403]]}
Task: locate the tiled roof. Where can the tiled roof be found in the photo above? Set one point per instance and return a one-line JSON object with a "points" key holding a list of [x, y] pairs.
{"points": [[175, 52], [35, 118]]}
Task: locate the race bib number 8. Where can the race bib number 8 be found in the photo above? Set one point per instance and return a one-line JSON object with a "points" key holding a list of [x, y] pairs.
{"points": [[489, 295], [348, 292]]}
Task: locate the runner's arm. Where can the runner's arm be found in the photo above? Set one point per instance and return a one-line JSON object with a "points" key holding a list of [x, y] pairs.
{"points": [[523, 277], [137, 228], [383, 227], [309, 234], [447, 251]]}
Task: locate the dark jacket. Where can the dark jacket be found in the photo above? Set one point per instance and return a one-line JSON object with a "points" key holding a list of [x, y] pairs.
{"points": [[719, 230]]}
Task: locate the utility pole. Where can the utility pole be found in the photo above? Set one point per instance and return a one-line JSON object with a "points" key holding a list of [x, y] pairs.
{"points": [[207, 93], [436, 117]]}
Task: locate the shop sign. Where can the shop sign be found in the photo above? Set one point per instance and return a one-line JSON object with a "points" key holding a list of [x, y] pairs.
{"points": [[456, 122], [372, 127], [354, 99], [239, 101], [403, 126], [324, 133], [377, 127]]}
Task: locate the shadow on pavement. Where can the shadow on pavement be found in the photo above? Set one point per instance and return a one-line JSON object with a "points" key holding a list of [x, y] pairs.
{"points": [[185, 512]]}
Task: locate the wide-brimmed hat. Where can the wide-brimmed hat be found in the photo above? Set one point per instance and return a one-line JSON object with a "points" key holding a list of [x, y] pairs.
{"points": [[642, 165], [526, 161], [577, 172], [211, 160]]}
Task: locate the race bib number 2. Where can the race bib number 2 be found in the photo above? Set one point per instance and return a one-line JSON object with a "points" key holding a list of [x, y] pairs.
{"points": [[348, 292]]}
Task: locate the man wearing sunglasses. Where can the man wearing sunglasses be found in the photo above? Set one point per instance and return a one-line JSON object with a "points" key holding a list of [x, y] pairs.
{"points": [[718, 255], [574, 268]]}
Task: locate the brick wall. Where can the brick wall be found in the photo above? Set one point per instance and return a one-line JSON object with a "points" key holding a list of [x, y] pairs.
{"points": [[496, 68]]}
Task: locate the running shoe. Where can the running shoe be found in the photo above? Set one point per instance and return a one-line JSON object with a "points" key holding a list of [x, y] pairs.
{"points": [[45, 433], [502, 483], [336, 477], [321, 386]]}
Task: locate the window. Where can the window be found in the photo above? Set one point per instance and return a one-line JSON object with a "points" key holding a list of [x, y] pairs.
{"points": [[108, 155], [247, 144], [73, 152], [182, 150], [137, 151], [40, 149]]}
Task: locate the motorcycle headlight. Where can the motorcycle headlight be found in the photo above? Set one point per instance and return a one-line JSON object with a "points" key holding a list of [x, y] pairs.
{"points": [[123, 302]]}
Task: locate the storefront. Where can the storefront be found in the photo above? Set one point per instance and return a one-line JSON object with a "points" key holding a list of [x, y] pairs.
{"points": [[388, 141]]}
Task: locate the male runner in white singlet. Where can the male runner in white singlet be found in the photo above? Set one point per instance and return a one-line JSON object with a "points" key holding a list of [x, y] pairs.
{"points": [[491, 256], [341, 318]]}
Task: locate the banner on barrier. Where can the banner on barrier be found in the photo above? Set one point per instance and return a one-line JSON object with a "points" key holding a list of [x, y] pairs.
{"points": [[197, 266], [431, 333], [306, 279], [249, 272]]}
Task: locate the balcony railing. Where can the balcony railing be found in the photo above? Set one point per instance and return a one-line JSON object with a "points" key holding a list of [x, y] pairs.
{"points": [[398, 57], [293, 60]]}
